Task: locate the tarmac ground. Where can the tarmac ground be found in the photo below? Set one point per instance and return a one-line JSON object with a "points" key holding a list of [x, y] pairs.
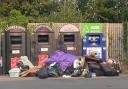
{"points": [[120, 82]]}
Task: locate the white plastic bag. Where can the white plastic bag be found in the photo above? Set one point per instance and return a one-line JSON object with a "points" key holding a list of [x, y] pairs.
{"points": [[26, 61], [76, 63]]}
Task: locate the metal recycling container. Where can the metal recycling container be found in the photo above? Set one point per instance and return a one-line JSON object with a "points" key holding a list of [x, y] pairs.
{"points": [[43, 43], [16, 43], [69, 39], [95, 43]]}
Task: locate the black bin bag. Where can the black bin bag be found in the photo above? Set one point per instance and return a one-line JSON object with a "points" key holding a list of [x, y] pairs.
{"points": [[108, 70], [43, 73], [49, 71]]}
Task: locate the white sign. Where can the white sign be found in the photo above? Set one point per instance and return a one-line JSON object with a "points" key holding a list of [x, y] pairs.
{"points": [[97, 50], [15, 51], [44, 49]]}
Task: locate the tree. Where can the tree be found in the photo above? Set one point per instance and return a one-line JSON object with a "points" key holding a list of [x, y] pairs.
{"points": [[16, 18], [7, 6], [81, 5], [99, 11], [66, 13], [3, 25], [122, 10], [67, 10], [29, 9]]}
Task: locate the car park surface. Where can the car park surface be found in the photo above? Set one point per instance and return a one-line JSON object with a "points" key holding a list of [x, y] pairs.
{"points": [[120, 82]]}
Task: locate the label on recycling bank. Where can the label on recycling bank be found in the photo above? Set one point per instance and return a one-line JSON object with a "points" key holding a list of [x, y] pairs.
{"points": [[71, 48], [15, 51], [44, 49]]}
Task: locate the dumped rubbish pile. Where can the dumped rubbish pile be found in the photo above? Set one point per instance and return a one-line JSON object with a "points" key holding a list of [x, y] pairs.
{"points": [[61, 64], [99, 68]]}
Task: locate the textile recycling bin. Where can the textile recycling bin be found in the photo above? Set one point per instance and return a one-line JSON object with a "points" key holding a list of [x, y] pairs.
{"points": [[70, 40], [43, 43], [16, 43], [95, 42]]}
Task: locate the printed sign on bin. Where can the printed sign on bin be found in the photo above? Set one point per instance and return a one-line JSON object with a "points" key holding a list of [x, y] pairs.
{"points": [[71, 48], [44, 49], [42, 59], [15, 51], [91, 28], [14, 61]]}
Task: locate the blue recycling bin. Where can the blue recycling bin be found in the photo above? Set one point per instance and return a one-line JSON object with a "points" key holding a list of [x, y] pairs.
{"points": [[94, 42]]}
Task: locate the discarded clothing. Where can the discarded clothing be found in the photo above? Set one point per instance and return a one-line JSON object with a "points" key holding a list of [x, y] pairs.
{"points": [[63, 60]]}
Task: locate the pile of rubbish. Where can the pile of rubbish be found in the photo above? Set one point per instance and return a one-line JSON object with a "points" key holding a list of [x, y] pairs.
{"points": [[64, 65]]}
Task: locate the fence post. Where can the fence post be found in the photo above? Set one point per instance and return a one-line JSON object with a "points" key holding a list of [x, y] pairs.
{"points": [[107, 41]]}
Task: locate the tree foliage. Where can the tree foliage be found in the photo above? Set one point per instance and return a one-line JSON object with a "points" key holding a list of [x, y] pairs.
{"points": [[67, 12], [22, 11], [16, 18]]}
